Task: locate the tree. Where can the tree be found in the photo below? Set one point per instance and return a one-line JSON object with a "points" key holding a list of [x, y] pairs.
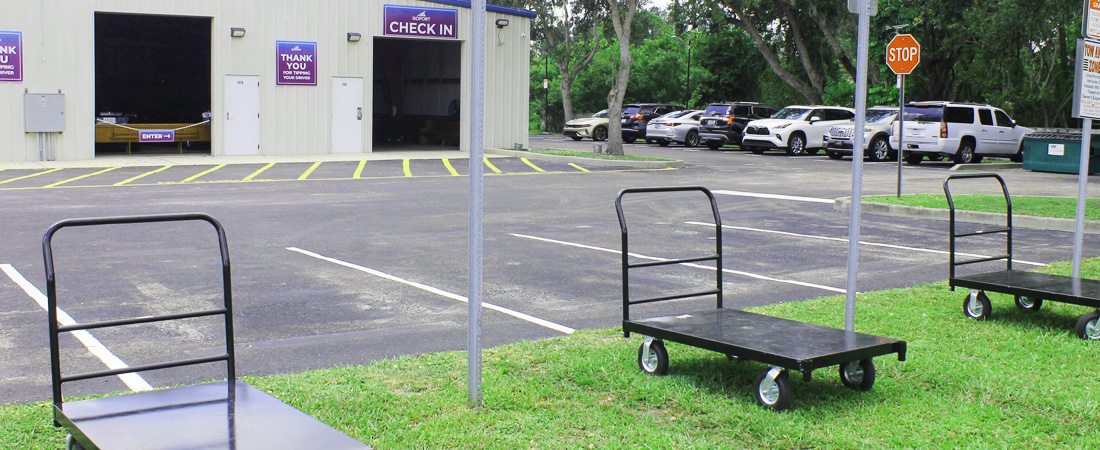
{"points": [[615, 97]]}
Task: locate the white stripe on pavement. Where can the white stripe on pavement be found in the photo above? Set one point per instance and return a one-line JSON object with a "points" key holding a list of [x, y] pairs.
{"points": [[775, 196]]}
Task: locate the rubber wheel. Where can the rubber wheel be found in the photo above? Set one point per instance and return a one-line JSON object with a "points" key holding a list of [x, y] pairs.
{"points": [[663, 143], [692, 139], [630, 141], [833, 155], [858, 374], [599, 134], [657, 361], [1088, 327], [976, 305], [714, 145], [774, 396], [72, 444], [1028, 303], [576, 138], [757, 150], [880, 150], [797, 145], [913, 160], [1019, 156], [965, 155]]}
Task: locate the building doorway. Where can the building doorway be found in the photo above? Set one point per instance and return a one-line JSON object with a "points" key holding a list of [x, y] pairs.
{"points": [[417, 93]]}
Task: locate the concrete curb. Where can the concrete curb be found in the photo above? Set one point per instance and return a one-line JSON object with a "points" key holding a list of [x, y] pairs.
{"points": [[988, 166], [675, 164], [916, 212]]}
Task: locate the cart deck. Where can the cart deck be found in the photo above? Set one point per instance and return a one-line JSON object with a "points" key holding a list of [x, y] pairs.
{"points": [[775, 341], [227, 414], [781, 343], [1030, 289]]}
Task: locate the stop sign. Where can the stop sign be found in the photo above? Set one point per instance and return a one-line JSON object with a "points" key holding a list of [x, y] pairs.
{"points": [[902, 54]]}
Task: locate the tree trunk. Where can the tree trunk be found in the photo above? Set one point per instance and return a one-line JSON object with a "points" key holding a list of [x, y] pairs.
{"points": [[618, 92], [570, 71]]}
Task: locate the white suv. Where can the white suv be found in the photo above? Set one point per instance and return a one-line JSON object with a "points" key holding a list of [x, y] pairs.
{"points": [[840, 139], [797, 129], [964, 131]]}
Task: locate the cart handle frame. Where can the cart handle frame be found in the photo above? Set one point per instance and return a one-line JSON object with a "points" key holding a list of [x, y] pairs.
{"points": [[626, 265], [954, 235]]}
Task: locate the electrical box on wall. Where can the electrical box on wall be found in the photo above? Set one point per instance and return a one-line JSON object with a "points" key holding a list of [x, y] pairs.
{"points": [[44, 113]]}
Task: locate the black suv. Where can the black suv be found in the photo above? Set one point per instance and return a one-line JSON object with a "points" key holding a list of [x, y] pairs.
{"points": [[724, 122], [637, 116]]}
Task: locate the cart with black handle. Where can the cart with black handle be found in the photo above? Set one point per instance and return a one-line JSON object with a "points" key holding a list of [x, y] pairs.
{"points": [[783, 344], [226, 414], [1030, 289]]}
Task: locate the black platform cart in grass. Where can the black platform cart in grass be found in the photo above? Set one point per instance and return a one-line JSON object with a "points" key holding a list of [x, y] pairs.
{"points": [[227, 414], [1030, 289], [783, 344]]}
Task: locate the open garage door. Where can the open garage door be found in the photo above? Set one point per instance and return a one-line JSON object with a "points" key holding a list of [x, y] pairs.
{"points": [[417, 93], [152, 73]]}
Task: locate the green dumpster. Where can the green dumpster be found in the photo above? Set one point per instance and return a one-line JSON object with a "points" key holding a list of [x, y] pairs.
{"points": [[1060, 152]]}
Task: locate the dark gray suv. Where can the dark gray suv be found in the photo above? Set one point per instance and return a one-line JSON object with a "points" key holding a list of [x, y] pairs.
{"points": [[724, 122]]}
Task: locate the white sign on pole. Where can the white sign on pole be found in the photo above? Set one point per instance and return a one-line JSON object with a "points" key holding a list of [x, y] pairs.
{"points": [[1092, 18], [1086, 99], [853, 6]]}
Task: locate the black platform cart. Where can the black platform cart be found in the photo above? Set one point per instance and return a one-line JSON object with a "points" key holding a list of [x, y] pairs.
{"points": [[1030, 289], [781, 343], [226, 414]]}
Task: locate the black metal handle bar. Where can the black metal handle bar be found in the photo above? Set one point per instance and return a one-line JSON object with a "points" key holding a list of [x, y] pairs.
{"points": [[953, 235]]}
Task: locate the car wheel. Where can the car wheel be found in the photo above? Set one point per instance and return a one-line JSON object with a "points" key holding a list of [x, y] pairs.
{"points": [[576, 138], [599, 134], [663, 142], [880, 150], [714, 145], [692, 139], [757, 150], [913, 159], [833, 155], [965, 155], [630, 141], [796, 146]]}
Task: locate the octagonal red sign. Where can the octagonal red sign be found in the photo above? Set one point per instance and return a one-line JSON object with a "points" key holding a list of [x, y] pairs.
{"points": [[902, 54]]}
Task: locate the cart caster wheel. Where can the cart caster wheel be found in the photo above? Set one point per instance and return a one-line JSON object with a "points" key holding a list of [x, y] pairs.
{"points": [[1088, 326], [977, 306], [1028, 303], [773, 389], [858, 374], [72, 444], [652, 357], [733, 357]]}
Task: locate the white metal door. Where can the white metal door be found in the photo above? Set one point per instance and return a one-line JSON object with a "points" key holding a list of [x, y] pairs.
{"points": [[242, 115], [347, 115]]}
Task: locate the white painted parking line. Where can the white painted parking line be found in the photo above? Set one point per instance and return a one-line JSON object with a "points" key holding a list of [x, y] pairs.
{"points": [[134, 381], [437, 291], [774, 196], [697, 266], [845, 240]]}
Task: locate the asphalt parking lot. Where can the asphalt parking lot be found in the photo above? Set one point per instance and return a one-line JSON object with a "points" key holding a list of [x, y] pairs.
{"points": [[350, 263]]}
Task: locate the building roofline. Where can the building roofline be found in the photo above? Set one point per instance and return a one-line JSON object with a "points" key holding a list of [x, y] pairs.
{"points": [[489, 7]]}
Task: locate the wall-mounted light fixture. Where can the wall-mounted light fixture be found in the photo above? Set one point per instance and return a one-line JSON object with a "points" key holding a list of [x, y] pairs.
{"points": [[354, 37], [236, 32], [501, 23]]}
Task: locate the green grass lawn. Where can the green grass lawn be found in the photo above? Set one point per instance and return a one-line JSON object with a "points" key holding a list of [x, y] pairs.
{"points": [[1019, 380], [1058, 207]]}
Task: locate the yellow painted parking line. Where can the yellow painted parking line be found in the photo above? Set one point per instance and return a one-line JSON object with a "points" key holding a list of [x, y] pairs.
{"points": [[450, 168], [121, 183], [190, 179], [491, 166], [31, 175], [533, 166], [359, 170], [258, 172], [59, 183], [582, 169], [405, 165], [310, 170]]}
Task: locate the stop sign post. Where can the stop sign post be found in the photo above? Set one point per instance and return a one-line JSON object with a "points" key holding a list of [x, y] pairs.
{"points": [[902, 55]]}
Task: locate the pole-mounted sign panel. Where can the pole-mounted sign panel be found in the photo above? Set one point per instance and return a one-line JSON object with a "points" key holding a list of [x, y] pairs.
{"points": [[1086, 86], [903, 53], [1092, 19]]}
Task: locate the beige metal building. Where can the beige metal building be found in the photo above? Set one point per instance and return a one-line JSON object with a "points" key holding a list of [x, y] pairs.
{"points": [[87, 78]]}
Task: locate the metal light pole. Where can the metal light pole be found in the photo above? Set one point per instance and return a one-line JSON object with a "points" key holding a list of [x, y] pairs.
{"points": [[687, 102], [546, 93]]}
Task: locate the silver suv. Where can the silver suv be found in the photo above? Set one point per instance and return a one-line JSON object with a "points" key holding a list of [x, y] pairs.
{"points": [[966, 132]]}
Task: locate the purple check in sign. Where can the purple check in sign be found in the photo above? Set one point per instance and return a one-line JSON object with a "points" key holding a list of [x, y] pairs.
{"points": [[423, 22], [296, 63], [157, 136], [11, 56]]}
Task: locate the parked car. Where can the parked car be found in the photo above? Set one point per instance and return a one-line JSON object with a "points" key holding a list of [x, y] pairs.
{"points": [[637, 116], [800, 130], [877, 127], [966, 132], [594, 127], [681, 127], [724, 122]]}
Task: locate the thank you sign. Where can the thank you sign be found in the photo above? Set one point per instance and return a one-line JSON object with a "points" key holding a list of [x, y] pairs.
{"points": [[296, 63], [423, 22], [11, 56]]}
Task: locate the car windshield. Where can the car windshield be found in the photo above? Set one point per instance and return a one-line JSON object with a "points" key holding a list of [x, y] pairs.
{"points": [[717, 110], [792, 113], [601, 114], [881, 115], [923, 113], [676, 114], [630, 110]]}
